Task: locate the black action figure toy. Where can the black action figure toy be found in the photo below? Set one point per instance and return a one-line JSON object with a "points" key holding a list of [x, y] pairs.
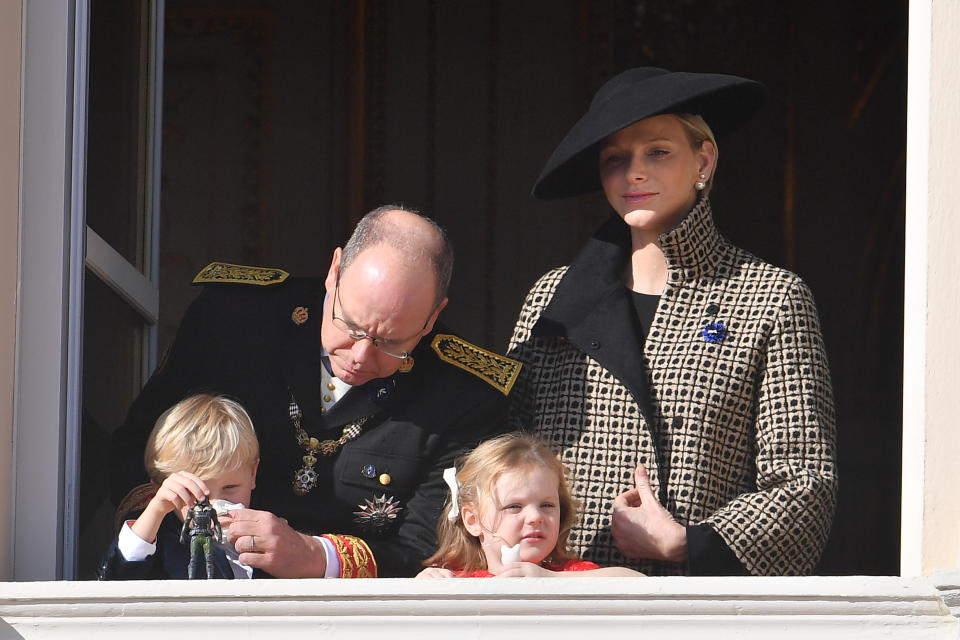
{"points": [[205, 526]]}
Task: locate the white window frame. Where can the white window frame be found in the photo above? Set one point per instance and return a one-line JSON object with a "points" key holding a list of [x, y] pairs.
{"points": [[54, 243], [51, 267]]}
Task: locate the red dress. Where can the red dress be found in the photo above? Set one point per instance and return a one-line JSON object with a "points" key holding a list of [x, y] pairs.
{"points": [[569, 565]]}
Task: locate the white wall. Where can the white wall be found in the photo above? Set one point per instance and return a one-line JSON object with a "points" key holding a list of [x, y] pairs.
{"points": [[931, 451], [941, 513]]}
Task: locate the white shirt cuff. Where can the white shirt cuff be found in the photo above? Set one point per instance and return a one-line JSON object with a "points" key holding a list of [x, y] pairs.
{"points": [[333, 560], [132, 547]]}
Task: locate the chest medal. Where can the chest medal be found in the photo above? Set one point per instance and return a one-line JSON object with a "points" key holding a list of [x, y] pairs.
{"points": [[305, 478]]}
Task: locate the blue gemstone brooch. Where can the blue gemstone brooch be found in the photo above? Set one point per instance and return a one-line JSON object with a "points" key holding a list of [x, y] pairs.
{"points": [[715, 332]]}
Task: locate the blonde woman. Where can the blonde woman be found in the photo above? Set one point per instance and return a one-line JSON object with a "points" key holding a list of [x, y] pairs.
{"points": [[683, 380]]}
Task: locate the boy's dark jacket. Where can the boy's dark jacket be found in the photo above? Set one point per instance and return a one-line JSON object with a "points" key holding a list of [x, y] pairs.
{"points": [[170, 561]]}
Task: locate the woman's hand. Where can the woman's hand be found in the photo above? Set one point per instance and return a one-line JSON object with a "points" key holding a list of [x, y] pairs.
{"points": [[642, 528], [435, 572]]}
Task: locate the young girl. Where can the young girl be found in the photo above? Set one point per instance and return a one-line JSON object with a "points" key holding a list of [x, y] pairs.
{"points": [[509, 515]]}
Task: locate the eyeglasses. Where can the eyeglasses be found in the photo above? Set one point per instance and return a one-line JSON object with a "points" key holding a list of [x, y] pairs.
{"points": [[386, 346]]}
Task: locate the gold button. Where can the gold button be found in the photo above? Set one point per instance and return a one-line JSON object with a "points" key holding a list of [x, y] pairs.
{"points": [[326, 398], [323, 409], [385, 479], [331, 386]]}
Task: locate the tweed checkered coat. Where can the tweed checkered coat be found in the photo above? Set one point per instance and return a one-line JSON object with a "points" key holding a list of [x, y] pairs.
{"points": [[737, 434]]}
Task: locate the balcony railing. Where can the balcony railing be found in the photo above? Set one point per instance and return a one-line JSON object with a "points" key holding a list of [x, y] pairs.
{"points": [[585, 609]]}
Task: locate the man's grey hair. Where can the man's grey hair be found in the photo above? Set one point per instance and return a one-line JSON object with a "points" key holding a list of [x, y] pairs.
{"points": [[375, 229]]}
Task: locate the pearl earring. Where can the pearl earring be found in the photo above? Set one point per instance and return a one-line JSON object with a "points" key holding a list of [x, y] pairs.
{"points": [[702, 183]]}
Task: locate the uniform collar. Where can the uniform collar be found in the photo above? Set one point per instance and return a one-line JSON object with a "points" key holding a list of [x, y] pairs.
{"points": [[303, 373], [332, 388]]}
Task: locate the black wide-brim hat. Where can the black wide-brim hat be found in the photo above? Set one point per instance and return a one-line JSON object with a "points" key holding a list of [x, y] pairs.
{"points": [[725, 102]]}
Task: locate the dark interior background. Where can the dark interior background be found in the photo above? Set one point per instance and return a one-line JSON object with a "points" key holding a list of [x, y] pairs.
{"points": [[284, 121]]}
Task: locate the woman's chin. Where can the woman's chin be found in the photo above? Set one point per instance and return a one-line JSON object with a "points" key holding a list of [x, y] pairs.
{"points": [[653, 222], [640, 218]]}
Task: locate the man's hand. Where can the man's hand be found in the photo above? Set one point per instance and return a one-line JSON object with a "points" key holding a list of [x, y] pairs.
{"points": [[642, 528], [267, 542]]}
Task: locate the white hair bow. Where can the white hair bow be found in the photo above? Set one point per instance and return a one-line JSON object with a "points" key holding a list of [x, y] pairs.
{"points": [[450, 477]]}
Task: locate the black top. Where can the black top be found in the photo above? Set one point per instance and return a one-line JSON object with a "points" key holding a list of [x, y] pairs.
{"points": [[644, 308]]}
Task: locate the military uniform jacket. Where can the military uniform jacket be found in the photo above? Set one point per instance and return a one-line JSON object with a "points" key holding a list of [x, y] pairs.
{"points": [[728, 402], [241, 340]]}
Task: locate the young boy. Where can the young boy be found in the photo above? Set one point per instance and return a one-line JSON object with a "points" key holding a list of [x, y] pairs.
{"points": [[202, 447]]}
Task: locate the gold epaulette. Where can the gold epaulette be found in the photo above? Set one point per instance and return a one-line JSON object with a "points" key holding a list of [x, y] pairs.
{"points": [[498, 371], [239, 274]]}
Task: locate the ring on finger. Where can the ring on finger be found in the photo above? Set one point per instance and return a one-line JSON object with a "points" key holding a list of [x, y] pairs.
{"points": [[253, 543]]}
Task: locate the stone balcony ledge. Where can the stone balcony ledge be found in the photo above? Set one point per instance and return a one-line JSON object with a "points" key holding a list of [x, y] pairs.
{"points": [[742, 608]]}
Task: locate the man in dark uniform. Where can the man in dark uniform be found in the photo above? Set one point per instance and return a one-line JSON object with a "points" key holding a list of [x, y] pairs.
{"points": [[359, 397]]}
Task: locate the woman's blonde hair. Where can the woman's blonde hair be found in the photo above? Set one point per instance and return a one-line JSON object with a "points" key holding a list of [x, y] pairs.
{"points": [[203, 434], [698, 132], [458, 550]]}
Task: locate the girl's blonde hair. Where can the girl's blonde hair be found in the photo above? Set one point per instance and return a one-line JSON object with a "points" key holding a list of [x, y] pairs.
{"points": [[203, 434], [458, 550], [698, 132]]}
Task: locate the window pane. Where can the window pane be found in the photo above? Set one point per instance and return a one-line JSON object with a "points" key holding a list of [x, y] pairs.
{"points": [[116, 162], [112, 339]]}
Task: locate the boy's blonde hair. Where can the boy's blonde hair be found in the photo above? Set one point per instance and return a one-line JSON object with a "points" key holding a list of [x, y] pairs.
{"points": [[203, 434], [458, 550]]}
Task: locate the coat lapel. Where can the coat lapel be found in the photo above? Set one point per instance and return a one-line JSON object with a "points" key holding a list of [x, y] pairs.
{"points": [[354, 405], [301, 353], [386, 393], [591, 309]]}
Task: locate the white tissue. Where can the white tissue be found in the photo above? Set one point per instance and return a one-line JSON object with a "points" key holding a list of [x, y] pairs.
{"points": [[509, 554], [223, 506]]}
